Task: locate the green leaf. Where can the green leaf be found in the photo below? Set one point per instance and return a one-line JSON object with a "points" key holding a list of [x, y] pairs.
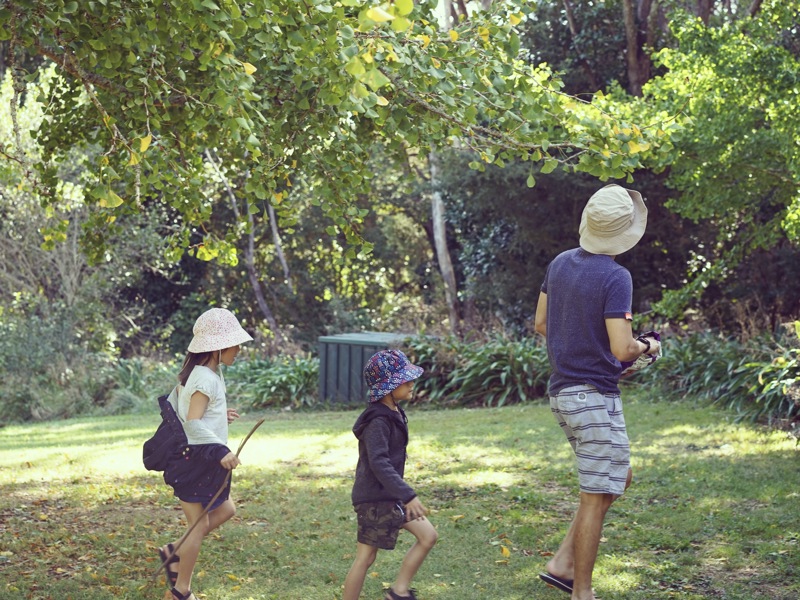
{"points": [[377, 14], [355, 67], [404, 7], [111, 200], [401, 24], [549, 165], [375, 79], [203, 252]]}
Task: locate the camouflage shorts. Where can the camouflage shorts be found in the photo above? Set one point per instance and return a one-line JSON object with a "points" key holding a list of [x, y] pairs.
{"points": [[379, 523]]}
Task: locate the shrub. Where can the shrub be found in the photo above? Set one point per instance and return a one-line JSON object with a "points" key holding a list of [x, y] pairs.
{"points": [[136, 383], [490, 373], [777, 390], [756, 380], [284, 381]]}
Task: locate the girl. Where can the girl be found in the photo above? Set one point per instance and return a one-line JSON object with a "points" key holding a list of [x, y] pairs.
{"points": [[197, 473]]}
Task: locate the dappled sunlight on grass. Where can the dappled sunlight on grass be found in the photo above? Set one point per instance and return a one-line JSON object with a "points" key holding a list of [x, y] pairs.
{"points": [[268, 451], [718, 439], [475, 478], [699, 522], [69, 462]]}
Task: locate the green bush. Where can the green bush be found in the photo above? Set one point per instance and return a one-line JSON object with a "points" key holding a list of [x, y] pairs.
{"points": [[136, 383], [281, 382], [47, 372], [777, 389], [481, 373], [757, 380]]}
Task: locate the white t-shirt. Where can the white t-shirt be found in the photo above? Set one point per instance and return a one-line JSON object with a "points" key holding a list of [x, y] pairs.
{"points": [[212, 428]]}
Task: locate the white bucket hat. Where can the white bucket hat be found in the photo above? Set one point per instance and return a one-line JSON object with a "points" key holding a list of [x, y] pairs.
{"points": [[613, 221], [217, 329]]}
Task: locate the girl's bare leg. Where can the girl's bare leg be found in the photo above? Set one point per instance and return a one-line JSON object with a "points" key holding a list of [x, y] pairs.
{"points": [[224, 512], [190, 548]]}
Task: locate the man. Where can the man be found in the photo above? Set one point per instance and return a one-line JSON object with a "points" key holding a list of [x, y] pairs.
{"points": [[584, 311]]}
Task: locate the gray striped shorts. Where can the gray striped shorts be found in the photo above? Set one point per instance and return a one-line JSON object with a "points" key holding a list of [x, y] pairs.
{"points": [[595, 427]]}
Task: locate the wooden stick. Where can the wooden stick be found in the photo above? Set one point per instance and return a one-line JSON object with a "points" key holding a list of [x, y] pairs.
{"points": [[208, 506]]}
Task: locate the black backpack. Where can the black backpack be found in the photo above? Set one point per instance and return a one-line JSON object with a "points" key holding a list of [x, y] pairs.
{"points": [[168, 440]]}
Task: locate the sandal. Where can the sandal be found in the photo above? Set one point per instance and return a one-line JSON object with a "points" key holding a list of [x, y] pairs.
{"points": [[187, 596], [168, 560], [560, 583], [392, 595]]}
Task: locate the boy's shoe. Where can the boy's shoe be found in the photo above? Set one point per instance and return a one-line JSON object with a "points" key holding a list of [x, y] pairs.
{"points": [[392, 595]]}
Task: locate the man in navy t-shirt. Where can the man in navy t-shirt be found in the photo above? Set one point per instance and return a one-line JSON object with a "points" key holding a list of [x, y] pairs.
{"points": [[584, 311]]}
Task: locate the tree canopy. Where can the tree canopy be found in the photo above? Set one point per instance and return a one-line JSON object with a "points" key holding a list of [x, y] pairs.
{"points": [[278, 89], [738, 163]]}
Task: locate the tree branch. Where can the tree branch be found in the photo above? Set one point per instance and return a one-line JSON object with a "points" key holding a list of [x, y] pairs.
{"points": [[754, 8]]}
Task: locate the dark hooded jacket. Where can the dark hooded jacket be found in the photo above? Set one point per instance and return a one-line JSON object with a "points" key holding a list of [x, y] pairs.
{"points": [[382, 439]]}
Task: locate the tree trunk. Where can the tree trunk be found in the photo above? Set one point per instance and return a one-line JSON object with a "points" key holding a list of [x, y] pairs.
{"points": [[440, 241], [449, 13], [276, 239], [574, 31], [249, 253], [256, 283], [638, 62], [754, 8], [703, 10]]}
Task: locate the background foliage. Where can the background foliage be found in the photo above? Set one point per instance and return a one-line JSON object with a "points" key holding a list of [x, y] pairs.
{"points": [[292, 147]]}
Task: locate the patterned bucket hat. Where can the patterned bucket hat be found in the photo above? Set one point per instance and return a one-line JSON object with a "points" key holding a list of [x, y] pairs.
{"points": [[386, 371], [217, 329]]}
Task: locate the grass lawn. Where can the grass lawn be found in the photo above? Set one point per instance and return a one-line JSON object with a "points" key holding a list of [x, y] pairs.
{"points": [[713, 512]]}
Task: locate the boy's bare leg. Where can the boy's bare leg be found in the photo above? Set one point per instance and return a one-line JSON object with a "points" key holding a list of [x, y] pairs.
{"points": [[426, 535], [365, 556]]}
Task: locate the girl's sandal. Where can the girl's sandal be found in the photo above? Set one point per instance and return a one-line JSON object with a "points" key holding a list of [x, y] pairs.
{"points": [[169, 558], [178, 596], [392, 595]]}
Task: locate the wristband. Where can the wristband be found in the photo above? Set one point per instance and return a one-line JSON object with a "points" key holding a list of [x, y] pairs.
{"points": [[646, 342]]}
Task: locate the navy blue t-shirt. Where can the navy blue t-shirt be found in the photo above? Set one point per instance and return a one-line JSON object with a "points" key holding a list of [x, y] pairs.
{"points": [[583, 290]]}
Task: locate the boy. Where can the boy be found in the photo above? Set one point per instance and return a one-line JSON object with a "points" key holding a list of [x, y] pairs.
{"points": [[384, 502]]}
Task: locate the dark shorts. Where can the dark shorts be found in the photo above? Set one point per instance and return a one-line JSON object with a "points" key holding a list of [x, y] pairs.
{"points": [[195, 478], [379, 523]]}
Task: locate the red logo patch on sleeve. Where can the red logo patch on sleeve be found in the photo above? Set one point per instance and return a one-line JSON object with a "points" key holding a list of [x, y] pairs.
{"points": [[629, 316]]}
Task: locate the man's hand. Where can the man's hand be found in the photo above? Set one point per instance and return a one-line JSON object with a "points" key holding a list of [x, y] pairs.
{"points": [[655, 345]]}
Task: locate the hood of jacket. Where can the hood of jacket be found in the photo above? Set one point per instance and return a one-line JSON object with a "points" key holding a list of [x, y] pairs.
{"points": [[378, 410]]}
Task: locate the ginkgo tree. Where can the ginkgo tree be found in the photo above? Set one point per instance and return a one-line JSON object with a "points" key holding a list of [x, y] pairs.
{"points": [[277, 88]]}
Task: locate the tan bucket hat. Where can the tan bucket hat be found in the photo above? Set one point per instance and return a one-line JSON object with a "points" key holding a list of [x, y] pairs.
{"points": [[217, 329], [613, 221]]}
